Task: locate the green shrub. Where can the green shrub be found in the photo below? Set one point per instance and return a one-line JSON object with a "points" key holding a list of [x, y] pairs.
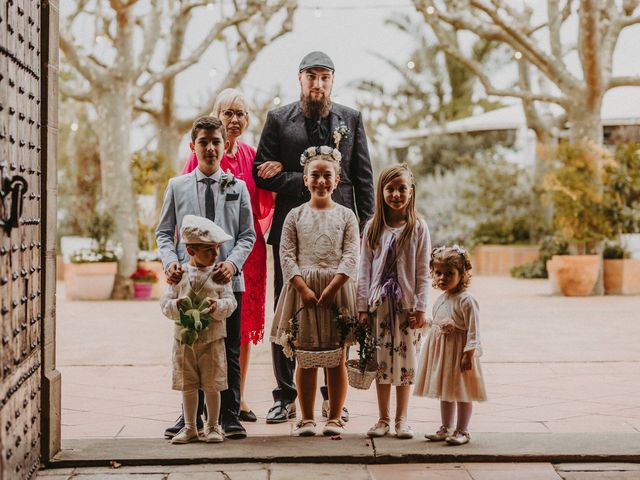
{"points": [[614, 251], [549, 247]]}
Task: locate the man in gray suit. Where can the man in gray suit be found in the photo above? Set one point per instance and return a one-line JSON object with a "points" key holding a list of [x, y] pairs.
{"points": [[209, 192], [288, 131]]}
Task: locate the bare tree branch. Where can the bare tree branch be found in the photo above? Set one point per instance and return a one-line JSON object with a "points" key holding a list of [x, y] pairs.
{"points": [[151, 36], [73, 93], [477, 68], [88, 69], [624, 82], [197, 52]]}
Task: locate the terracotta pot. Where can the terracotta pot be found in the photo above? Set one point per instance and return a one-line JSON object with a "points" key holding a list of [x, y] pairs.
{"points": [[89, 281], [622, 277], [142, 291], [577, 274]]}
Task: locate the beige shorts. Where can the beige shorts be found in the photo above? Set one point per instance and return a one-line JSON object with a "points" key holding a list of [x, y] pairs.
{"points": [[202, 366]]}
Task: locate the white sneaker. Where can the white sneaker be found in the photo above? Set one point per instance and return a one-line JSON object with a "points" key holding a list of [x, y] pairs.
{"points": [[213, 434], [186, 435], [380, 429], [305, 428], [440, 436], [333, 427]]}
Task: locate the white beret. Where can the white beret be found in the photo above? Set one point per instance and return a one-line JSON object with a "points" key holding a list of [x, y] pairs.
{"points": [[201, 230]]}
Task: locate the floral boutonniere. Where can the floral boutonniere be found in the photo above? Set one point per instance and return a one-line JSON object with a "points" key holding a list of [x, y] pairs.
{"points": [[226, 180], [339, 133]]}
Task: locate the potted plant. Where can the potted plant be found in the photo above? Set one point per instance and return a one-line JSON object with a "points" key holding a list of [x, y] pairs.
{"points": [[621, 273], [143, 280], [90, 275], [575, 186]]}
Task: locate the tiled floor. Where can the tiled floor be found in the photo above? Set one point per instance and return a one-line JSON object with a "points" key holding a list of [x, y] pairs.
{"points": [[431, 471], [551, 364]]}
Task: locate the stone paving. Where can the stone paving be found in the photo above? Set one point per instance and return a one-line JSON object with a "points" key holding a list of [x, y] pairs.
{"points": [[430, 471], [551, 364]]}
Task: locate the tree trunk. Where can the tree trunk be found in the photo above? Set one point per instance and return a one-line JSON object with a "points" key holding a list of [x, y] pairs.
{"points": [[168, 145], [586, 126], [115, 108]]}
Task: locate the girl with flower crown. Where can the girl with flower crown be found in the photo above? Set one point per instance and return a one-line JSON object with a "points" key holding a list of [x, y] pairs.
{"points": [[319, 259], [392, 291], [450, 367]]}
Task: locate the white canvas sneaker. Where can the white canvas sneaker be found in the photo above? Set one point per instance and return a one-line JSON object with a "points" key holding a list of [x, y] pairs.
{"points": [[213, 434], [186, 435]]}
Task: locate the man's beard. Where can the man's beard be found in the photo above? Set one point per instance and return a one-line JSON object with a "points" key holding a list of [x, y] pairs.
{"points": [[315, 109]]}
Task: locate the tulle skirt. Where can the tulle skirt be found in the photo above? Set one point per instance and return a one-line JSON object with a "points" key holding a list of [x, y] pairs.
{"points": [[317, 328], [440, 375]]}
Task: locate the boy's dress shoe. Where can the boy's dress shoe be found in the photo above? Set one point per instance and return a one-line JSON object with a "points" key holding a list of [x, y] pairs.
{"points": [[233, 429], [248, 416], [281, 412]]}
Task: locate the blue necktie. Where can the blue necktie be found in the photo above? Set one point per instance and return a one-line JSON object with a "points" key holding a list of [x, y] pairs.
{"points": [[209, 203]]}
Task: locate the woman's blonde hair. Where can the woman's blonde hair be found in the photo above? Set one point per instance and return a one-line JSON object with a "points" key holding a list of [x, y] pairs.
{"points": [[379, 220], [456, 257], [226, 98]]}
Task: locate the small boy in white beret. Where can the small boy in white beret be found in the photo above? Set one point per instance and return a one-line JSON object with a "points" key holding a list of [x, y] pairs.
{"points": [[203, 364]]}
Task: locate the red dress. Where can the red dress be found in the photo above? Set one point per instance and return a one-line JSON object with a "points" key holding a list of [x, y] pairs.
{"points": [[255, 267]]}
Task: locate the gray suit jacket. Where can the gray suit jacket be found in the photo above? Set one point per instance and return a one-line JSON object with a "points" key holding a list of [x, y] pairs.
{"points": [[284, 138], [233, 215]]}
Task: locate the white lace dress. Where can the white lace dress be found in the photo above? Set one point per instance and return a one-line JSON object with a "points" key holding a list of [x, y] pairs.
{"points": [[317, 244]]}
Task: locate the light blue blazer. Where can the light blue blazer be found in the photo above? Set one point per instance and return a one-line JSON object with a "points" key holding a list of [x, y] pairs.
{"points": [[233, 215]]}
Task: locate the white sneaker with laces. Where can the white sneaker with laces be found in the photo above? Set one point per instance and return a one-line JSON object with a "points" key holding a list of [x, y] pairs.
{"points": [[305, 428], [213, 434], [380, 429], [186, 435]]}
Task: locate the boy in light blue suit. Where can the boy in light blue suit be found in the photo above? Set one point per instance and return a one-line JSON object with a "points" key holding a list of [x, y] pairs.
{"points": [[209, 192]]}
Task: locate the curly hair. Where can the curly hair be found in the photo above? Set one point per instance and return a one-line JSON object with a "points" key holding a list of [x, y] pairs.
{"points": [[456, 257]]}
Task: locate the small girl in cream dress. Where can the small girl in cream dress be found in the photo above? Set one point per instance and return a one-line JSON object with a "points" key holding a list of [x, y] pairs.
{"points": [[450, 366]]}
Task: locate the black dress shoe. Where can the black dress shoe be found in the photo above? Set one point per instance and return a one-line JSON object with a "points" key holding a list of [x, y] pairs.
{"points": [[248, 416], [172, 431], [233, 429], [281, 412]]}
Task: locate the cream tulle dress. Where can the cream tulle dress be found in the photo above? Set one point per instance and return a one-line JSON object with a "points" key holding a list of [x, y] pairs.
{"points": [[440, 375], [317, 244]]}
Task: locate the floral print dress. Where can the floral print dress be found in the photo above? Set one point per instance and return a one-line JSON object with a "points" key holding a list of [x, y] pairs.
{"points": [[398, 345]]}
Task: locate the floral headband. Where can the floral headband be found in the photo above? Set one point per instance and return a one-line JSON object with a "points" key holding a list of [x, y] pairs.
{"points": [[323, 150], [456, 248]]}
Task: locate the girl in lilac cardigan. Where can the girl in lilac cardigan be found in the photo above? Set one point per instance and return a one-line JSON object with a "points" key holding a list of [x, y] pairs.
{"points": [[393, 283]]}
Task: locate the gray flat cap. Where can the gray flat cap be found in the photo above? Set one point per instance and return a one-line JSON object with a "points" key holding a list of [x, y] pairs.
{"points": [[316, 60]]}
